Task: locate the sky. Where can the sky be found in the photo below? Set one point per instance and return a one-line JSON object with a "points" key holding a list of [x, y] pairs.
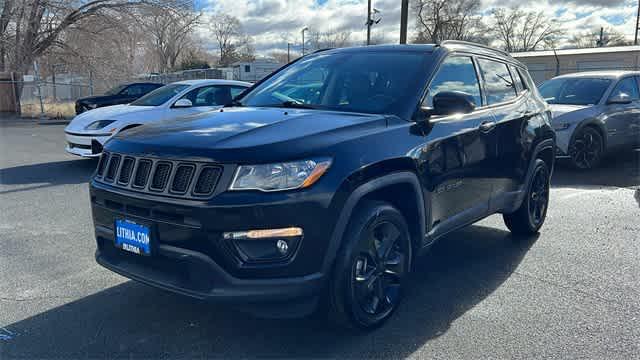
{"points": [[273, 23]]}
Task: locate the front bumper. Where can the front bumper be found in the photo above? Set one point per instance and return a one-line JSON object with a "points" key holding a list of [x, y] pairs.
{"points": [[81, 145], [190, 257]]}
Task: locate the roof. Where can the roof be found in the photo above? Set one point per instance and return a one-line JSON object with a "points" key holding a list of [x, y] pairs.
{"points": [[212, 82], [612, 74], [587, 51]]}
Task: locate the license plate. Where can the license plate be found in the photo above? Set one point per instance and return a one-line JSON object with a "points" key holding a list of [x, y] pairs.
{"points": [[133, 237]]}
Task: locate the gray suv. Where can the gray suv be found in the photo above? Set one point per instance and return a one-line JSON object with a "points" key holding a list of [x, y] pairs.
{"points": [[594, 113]]}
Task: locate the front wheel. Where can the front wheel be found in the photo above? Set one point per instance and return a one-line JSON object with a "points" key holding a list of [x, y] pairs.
{"points": [[586, 149], [370, 271], [530, 216]]}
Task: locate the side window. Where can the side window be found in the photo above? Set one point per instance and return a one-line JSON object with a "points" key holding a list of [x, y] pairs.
{"points": [[498, 83], [627, 86], [457, 73], [236, 90], [517, 79], [209, 96]]}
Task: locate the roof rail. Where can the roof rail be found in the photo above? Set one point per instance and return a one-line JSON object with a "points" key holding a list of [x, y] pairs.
{"points": [[321, 50], [460, 42]]}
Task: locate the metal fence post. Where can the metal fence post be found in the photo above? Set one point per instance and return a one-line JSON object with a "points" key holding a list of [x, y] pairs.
{"points": [[38, 88]]}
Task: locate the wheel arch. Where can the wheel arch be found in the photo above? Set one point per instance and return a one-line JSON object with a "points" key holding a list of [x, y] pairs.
{"points": [[385, 188]]}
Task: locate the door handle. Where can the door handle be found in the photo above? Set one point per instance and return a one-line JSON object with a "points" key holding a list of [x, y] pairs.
{"points": [[487, 126]]}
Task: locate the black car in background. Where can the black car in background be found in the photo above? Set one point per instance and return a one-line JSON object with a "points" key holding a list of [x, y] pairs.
{"points": [[318, 188], [121, 94]]}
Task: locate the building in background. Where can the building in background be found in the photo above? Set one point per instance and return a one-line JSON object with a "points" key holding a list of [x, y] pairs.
{"points": [[251, 71], [544, 65]]}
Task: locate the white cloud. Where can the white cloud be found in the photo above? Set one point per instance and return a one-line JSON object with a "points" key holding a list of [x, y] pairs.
{"points": [[273, 23]]}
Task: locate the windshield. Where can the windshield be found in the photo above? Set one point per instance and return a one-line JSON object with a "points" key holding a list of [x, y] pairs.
{"points": [[116, 90], [160, 95], [369, 82], [574, 91]]}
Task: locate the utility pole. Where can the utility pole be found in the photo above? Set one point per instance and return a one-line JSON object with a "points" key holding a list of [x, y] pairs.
{"points": [[303, 30], [288, 53], [600, 42], [635, 41], [369, 22], [404, 14]]}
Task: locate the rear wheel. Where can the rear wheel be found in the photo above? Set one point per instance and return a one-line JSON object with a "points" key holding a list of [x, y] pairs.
{"points": [[371, 267], [586, 148], [530, 216]]}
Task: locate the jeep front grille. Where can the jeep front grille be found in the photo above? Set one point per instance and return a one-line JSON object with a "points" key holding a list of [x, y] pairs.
{"points": [[161, 177]]}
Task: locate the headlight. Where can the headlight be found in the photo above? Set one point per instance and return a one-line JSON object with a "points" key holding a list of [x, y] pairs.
{"points": [[280, 176], [96, 125], [561, 126]]}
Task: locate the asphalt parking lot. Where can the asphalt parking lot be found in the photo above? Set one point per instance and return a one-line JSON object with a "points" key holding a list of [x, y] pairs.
{"points": [[572, 292]]}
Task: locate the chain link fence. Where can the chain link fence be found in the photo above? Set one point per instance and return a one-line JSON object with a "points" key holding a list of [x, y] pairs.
{"points": [[40, 98]]}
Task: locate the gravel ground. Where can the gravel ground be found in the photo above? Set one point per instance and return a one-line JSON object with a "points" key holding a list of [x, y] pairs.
{"points": [[572, 292]]}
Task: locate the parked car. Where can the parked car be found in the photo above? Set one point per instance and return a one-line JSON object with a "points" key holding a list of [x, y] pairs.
{"points": [[87, 132], [279, 203], [121, 94], [594, 113]]}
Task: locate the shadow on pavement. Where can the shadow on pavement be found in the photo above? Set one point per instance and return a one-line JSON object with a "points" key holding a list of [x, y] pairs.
{"points": [[619, 170], [132, 320], [48, 174]]}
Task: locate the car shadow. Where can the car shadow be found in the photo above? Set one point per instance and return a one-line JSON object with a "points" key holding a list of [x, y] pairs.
{"points": [[621, 169], [133, 320], [75, 171]]}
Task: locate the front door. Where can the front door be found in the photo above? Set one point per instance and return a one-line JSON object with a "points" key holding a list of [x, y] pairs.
{"points": [[622, 119], [459, 151]]}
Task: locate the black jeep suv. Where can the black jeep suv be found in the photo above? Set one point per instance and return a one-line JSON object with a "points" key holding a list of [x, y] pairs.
{"points": [[321, 184]]}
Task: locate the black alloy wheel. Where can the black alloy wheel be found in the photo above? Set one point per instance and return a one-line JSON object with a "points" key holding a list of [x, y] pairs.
{"points": [[371, 267], [530, 216], [586, 149], [378, 270]]}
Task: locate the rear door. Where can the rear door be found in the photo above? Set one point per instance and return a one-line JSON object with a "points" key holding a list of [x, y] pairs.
{"points": [[459, 150], [506, 94]]}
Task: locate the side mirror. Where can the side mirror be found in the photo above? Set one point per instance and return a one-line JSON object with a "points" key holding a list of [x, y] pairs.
{"points": [[183, 103], [620, 98], [453, 102]]}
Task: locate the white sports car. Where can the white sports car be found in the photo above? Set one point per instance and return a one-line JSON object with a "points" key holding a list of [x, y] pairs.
{"points": [[87, 132]]}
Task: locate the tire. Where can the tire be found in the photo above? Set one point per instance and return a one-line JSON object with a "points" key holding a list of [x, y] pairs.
{"points": [[586, 148], [530, 216], [373, 263]]}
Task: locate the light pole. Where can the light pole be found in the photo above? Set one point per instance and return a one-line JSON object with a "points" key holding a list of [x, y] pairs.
{"points": [[404, 11], [303, 30], [288, 52]]}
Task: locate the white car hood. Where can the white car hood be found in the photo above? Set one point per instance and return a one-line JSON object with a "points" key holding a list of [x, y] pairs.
{"points": [[115, 112]]}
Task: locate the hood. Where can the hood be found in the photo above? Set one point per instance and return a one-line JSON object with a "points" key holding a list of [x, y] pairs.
{"points": [[572, 113], [237, 134], [104, 113]]}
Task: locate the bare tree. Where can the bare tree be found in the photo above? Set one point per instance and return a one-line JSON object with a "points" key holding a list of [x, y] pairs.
{"points": [[35, 26], [592, 38], [439, 20], [519, 30], [233, 43], [330, 39], [169, 29]]}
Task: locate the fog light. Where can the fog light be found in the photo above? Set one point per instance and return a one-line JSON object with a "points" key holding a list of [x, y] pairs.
{"points": [[282, 246]]}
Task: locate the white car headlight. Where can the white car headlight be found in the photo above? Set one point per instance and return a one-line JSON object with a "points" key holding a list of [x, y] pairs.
{"points": [[97, 125], [279, 176]]}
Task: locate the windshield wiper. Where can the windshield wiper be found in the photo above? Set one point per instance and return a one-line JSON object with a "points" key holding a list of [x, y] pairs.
{"points": [[297, 105]]}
